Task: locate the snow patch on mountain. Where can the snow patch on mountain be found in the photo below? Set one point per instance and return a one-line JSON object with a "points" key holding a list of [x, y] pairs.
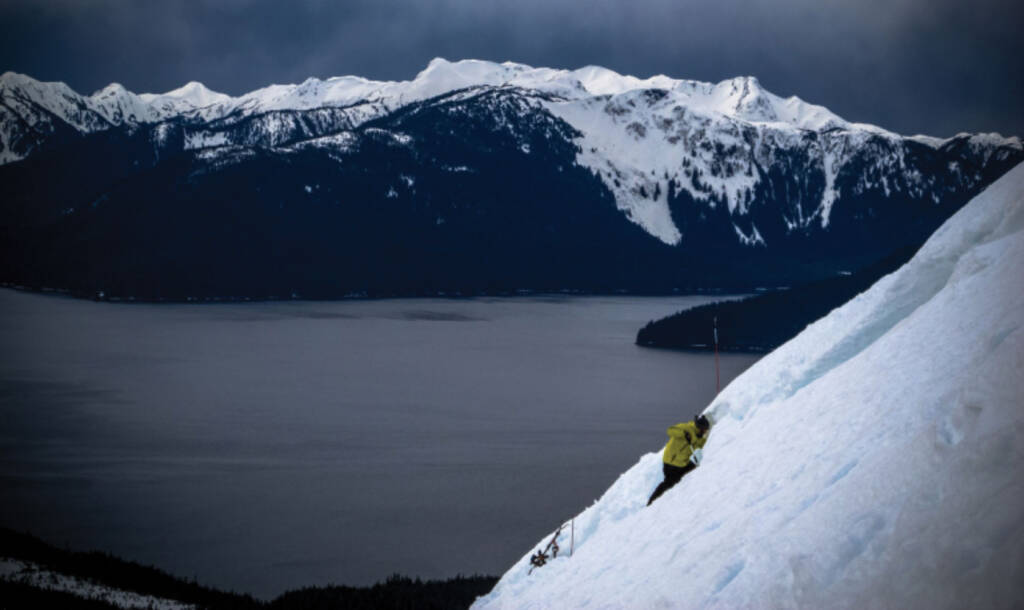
{"points": [[340, 141], [930, 141], [203, 139], [752, 239], [872, 461], [648, 143], [635, 168], [830, 168]]}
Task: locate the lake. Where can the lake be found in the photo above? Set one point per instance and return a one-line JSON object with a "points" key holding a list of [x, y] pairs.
{"points": [[266, 446]]}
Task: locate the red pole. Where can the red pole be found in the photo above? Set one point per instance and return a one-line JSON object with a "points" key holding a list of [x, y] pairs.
{"points": [[718, 384]]}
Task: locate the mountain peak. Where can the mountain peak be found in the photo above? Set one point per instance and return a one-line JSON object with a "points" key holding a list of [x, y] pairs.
{"points": [[197, 94], [742, 82], [438, 62], [110, 90], [744, 98], [18, 80]]}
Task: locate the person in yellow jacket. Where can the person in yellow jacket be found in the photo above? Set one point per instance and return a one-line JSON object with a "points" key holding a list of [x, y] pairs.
{"points": [[682, 453]]}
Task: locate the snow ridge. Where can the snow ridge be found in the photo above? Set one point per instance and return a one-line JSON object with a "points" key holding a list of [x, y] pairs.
{"points": [[739, 97], [872, 461]]}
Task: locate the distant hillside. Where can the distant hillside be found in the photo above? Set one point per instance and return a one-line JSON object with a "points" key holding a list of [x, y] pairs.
{"points": [[34, 574], [763, 322]]}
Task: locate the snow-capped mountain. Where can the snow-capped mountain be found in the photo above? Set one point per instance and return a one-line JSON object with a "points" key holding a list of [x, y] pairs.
{"points": [[701, 168], [873, 461]]}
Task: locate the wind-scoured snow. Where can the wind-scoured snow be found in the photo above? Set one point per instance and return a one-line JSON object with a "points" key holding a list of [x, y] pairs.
{"points": [[874, 461]]}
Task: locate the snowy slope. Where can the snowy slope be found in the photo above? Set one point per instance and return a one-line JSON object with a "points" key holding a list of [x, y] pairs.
{"points": [[874, 461]]}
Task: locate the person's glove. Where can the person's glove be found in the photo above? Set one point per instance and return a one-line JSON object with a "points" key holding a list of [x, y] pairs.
{"points": [[696, 456]]}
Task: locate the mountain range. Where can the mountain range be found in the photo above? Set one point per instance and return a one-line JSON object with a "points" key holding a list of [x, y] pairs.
{"points": [[472, 178]]}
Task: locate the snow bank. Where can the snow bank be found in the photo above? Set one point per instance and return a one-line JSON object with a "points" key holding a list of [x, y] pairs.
{"points": [[873, 461]]}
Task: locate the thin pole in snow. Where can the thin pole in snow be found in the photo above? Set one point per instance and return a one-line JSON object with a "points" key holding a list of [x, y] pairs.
{"points": [[572, 538], [718, 384]]}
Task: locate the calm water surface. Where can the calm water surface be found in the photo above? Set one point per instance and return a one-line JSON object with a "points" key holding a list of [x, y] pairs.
{"points": [[267, 446]]}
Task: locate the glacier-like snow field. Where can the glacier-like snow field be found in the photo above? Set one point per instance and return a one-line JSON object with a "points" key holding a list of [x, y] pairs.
{"points": [[874, 461]]}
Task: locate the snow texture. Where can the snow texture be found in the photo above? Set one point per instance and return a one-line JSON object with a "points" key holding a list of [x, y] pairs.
{"points": [[874, 461], [25, 572]]}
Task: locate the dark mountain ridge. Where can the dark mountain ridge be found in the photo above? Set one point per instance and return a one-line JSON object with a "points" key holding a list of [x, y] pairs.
{"points": [[760, 323], [102, 570]]}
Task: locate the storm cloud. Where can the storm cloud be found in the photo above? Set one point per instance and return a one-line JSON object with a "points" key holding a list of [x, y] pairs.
{"points": [[914, 66]]}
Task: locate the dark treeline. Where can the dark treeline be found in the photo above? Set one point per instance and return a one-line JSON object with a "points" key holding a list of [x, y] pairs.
{"points": [[17, 595], [763, 322], [107, 570], [397, 592]]}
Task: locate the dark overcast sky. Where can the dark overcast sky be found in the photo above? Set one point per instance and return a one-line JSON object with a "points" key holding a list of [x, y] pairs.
{"points": [[913, 66]]}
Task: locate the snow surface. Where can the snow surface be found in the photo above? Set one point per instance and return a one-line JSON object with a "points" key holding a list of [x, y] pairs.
{"points": [[874, 461], [26, 572]]}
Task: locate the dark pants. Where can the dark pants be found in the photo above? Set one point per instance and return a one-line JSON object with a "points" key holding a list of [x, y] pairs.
{"points": [[672, 476]]}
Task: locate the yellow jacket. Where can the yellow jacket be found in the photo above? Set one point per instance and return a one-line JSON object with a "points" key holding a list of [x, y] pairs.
{"points": [[683, 439]]}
